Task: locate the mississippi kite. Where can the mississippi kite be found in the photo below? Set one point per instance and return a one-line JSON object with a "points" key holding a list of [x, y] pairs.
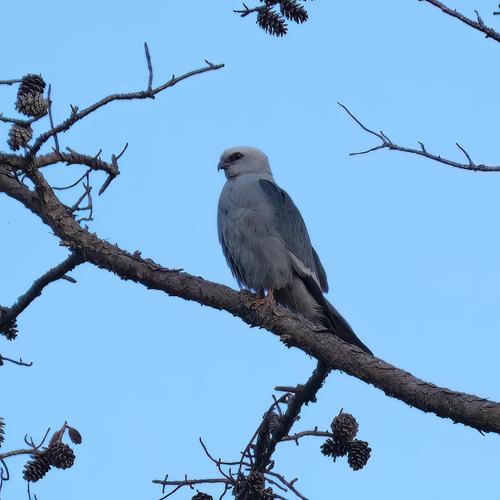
{"points": [[266, 243]]}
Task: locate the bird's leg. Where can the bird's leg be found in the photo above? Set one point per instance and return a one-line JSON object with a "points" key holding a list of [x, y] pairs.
{"points": [[269, 302]]}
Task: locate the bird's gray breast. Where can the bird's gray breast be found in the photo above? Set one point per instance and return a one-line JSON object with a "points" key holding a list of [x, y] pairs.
{"points": [[254, 251]]}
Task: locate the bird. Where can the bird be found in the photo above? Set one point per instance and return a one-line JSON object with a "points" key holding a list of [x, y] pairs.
{"points": [[267, 246]]}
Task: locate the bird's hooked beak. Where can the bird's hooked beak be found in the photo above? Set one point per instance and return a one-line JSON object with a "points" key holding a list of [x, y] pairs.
{"points": [[222, 165]]}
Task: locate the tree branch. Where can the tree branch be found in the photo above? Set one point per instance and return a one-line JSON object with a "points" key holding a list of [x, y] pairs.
{"points": [[386, 143], [302, 395], [467, 409], [299, 435], [19, 362], [477, 25], [77, 115], [8, 316]]}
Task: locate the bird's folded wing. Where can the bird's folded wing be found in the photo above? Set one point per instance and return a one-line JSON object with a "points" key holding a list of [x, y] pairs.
{"points": [[293, 231]]}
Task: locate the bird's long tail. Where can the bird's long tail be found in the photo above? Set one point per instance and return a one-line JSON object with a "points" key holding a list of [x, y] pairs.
{"points": [[343, 329], [305, 297]]}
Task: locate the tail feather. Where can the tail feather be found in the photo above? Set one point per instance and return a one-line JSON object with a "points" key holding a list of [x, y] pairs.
{"points": [[332, 319]]}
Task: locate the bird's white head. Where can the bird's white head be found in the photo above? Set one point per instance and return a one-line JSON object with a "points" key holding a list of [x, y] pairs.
{"points": [[243, 160]]}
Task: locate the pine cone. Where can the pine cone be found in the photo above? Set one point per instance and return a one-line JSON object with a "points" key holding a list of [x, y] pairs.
{"points": [[32, 104], [359, 453], [335, 449], [37, 468], [31, 84], [344, 427], [272, 22], [292, 10], [202, 496], [19, 136], [2, 430], [60, 455]]}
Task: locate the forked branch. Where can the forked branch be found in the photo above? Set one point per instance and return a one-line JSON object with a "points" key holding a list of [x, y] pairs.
{"points": [[386, 143]]}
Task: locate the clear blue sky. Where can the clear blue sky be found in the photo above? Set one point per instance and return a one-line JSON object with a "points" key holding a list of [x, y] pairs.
{"points": [[410, 246]]}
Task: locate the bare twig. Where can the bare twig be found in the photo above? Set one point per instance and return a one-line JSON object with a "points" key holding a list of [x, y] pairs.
{"points": [[19, 362], [288, 484], [187, 482], [248, 10], [77, 115], [298, 435], [9, 315], [386, 143], [477, 25], [51, 119], [18, 121], [9, 82], [150, 69], [72, 157]]}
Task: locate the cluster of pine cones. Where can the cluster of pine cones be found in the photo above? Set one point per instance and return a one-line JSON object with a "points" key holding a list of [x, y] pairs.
{"points": [[275, 22], [57, 454], [344, 430], [30, 102]]}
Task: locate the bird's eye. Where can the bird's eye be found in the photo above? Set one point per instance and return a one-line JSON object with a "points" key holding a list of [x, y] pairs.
{"points": [[235, 157]]}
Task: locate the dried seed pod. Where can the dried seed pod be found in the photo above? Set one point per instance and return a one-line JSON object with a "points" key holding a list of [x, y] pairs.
{"points": [[35, 469], [60, 455], [292, 10], [31, 83], [335, 449], [74, 435], [202, 496], [19, 136], [344, 427], [359, 454], [32, 104], [272, 22]]}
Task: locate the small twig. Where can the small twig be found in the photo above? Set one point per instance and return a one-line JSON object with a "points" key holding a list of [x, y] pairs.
{"points": [[288, 484], [9, 82], [14, 361], [188, 482], [247, 10], [80, 179], [386, 143], [77, 115], [150, 69], [9, 315], [296, 437], [477, 25], [18, 121], [51, 120]]}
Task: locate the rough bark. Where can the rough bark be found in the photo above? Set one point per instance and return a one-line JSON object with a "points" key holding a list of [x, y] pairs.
{"points": [[467, 409]]}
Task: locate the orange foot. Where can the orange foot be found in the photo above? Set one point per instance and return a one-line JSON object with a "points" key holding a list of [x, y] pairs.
{"points": [[268, 302]]}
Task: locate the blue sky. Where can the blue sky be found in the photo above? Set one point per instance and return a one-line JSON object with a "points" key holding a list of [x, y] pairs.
{"points": [[409, 246]]}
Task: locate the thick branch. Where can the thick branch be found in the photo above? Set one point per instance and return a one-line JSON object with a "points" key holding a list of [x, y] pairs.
{"points": [[477, 25], [386, 143], [470, 410], [302, 395]]}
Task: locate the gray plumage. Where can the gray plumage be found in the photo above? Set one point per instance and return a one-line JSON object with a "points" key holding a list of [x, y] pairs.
{"points": [[266, 243]]}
